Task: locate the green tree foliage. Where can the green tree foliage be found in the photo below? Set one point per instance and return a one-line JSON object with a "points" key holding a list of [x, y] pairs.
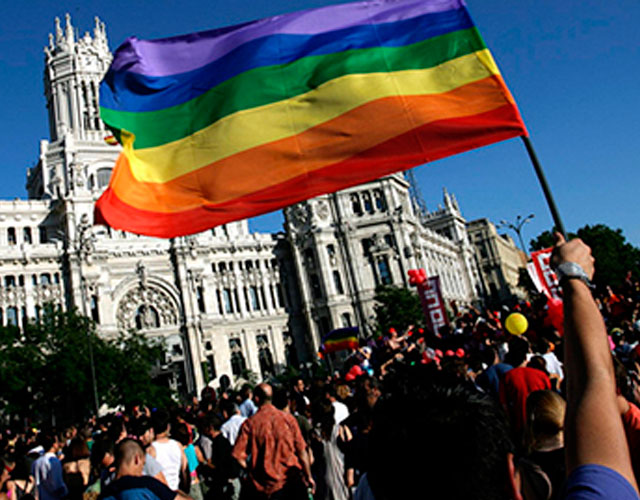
{"points": [[398, 308], [45, 369], [543, 240], [614, 255]]}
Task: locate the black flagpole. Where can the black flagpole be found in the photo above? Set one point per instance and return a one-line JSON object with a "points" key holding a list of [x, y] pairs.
{"points": [[545, 187]]}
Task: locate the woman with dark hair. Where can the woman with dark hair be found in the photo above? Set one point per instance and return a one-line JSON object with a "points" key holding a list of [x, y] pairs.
{"points": [[76, 467]]}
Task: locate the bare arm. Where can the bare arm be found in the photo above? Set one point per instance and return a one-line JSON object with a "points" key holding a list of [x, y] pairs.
{"points": [[594, 433]]}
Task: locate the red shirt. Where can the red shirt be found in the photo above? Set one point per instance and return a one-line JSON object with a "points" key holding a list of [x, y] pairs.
{"points": [[515, 387], [274, 441]]}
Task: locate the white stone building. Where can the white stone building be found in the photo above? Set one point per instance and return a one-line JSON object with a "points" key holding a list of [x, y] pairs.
{"points": [[224, 300]]}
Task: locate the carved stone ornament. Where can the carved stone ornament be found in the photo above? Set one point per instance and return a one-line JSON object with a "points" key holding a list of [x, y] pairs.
{"points": [[322, 210], [143, 299], [300, 215]]}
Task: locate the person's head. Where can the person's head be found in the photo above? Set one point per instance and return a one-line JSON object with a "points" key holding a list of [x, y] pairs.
{"points": [[299, 385], [160, 422], [281, 398], [539, 363], [229, 408], [102, 452], [518, 349], [181, 434], [77, 449], [142, 428], [490, 356], [263, 394], [129, 458], [211, 424], [49, 441], [545, 412], [461, 436], [246, 392]]}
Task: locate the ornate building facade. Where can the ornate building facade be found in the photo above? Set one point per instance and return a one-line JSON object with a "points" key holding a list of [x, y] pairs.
{"points": [[226, 300]]}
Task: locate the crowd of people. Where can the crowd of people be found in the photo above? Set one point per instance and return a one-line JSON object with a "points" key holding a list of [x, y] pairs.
{"points": [[470, 411]]}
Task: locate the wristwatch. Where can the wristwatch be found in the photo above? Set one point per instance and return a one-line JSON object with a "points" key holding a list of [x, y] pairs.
{"points": [[571, 271]]}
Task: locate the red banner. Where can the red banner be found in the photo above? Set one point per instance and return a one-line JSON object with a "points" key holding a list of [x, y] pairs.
{"points": [[432, 304], [542, 275]]}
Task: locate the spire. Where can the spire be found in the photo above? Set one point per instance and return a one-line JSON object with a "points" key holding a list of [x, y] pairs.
{"points": [[69, 30], [59, 35], [447, 199]]}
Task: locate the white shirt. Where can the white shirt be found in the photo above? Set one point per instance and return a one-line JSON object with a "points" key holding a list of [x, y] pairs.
{"points": [[340, 411], [47, 471], [169, 455], [231, 428], [553, 364]]}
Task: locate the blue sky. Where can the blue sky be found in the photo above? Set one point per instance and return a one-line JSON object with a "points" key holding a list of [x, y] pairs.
{"points": [[573, 67]]}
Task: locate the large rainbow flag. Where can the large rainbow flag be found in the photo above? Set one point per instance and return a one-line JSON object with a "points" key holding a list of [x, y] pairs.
{"points": [[226, 124], [340, 339]]}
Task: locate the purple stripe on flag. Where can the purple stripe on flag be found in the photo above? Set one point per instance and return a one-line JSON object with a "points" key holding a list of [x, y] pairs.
{"points": [[169, 56]]}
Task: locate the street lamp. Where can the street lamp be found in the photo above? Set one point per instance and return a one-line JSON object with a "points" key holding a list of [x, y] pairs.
{"points": [[517, 227], [82, 245]]}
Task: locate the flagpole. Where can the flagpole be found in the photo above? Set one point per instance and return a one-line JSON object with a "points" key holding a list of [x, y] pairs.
{"points": [[545, 186]]}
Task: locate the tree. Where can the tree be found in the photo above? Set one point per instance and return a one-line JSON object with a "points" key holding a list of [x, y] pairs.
{"points": [[614, 255], [397, 307], [46, 373], [543, 240]]}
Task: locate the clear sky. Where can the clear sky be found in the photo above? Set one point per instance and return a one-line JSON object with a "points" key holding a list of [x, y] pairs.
{"points": [[572, 65]]}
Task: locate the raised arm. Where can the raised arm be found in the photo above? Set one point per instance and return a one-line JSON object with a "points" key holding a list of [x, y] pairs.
{"points": [[593, 429]]}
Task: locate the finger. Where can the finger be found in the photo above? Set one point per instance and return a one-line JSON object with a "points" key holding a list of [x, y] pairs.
{"points": [[558, 238]]}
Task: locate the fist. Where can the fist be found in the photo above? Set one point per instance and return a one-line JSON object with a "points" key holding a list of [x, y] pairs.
{"points": [[573, 251]]}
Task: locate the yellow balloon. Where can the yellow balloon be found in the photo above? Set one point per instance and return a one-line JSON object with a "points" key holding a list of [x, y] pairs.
{"points": [[516, 324]]}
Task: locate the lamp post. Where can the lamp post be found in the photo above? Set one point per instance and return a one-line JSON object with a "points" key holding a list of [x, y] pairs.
{"points": [[517, 227], [82, 246]]}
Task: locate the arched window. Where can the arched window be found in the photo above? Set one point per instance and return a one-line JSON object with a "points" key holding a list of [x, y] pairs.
{"points": [[238, 364], [103, 175], [381, 202], [264, 356], [368, 204], [356, 207]]}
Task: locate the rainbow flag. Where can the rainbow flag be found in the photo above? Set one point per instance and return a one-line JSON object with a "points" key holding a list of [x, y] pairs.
{"points": [[340, 340], [231, 123]]}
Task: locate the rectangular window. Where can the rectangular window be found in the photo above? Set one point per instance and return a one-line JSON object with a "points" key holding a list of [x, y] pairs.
{"points": [[26, 235], [316, 290], [12, 316], [253, 295], [200, 297], [11, 235], [226, 296], [219, 300], [42, 233], [280, 295], [95, 315], [384, 271], [337, 282]]}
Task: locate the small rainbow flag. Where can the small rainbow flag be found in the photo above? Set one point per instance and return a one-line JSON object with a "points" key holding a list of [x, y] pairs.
{"points": [[111, 140], [340, 340], [231, 123]]}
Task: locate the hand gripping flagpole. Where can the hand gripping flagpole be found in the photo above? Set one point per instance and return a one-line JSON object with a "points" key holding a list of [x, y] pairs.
{"points": [[545, 186]]}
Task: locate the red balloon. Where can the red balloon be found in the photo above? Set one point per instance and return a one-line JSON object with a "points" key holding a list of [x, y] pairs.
{"points": [[555, 314]]}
